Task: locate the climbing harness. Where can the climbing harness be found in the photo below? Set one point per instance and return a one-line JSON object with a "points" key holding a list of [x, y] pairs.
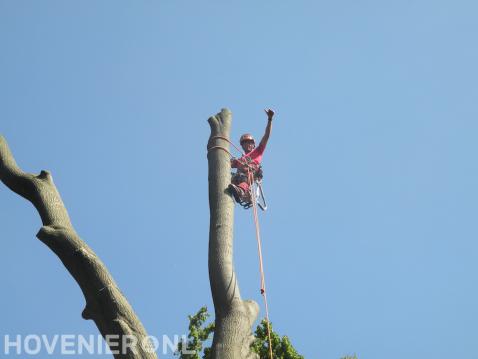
{"points": [[256, 194]]}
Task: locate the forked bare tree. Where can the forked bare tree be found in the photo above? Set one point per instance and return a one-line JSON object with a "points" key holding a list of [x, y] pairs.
{"points": [[105, 304]]}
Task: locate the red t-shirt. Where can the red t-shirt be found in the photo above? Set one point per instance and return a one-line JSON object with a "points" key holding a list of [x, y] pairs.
{"points": [[255, 155]]}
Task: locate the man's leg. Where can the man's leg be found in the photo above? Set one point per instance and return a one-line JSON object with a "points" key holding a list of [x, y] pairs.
{"points": [[240, 192], [244, 186]]}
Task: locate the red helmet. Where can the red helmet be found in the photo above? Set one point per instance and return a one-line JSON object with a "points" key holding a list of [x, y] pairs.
{"points": [[246, 137]]}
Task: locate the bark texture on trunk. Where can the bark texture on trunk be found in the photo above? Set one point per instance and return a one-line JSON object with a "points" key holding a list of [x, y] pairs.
{"points": [[234, 316], [105, 304]]}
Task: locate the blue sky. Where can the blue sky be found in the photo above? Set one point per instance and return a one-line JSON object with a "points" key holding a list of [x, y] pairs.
{"points": [[370, 172]]}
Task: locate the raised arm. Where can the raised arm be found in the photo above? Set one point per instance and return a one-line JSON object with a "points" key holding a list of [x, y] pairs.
{"points": [[265, 138]]}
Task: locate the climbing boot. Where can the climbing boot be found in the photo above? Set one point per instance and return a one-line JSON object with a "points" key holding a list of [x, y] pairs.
{"points": [[237, 192]]}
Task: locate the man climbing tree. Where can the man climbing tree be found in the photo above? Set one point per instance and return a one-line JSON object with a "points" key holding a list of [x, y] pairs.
{"points": [[234, 316], [249, 165]]}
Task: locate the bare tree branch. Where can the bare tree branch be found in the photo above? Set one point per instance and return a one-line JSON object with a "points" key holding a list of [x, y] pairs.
{"points": [[105, 304]]}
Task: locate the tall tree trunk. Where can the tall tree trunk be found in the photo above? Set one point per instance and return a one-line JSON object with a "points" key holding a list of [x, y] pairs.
{"points": [[105, 303], [234, 316]]}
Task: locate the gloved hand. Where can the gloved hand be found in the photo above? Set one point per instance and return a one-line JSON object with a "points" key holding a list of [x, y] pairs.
{"points": [[270, 113]]}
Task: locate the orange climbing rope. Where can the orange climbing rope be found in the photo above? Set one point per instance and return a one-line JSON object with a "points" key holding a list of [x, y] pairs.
{"points": [[225, 139], [250, 176], [259, 251]]}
